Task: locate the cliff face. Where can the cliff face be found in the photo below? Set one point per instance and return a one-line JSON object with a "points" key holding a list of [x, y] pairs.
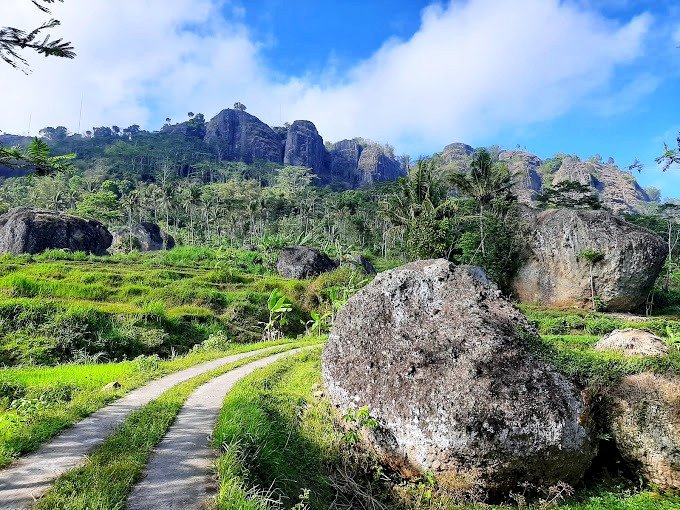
{"points": [[239, 136], [304, 147], [618, 190]]}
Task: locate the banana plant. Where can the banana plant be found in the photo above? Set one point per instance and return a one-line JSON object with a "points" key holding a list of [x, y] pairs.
{"points": [[278, 306]]}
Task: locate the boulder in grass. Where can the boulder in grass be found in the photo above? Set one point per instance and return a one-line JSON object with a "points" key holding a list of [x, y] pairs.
{"points": [[645, 424], [27, 230], [633, 342], [146, 236], [358, 262], [445, 365], [303, 262]]}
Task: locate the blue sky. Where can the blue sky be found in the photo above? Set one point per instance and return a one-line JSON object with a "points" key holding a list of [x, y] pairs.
{"points": [[581, 76]]}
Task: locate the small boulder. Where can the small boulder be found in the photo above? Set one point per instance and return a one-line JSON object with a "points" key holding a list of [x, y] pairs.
{"points": [[303, 262], [358, 262], [445, 365], [27, 230], [146, 236], [112, 386], [633, 342], [645, 423]]}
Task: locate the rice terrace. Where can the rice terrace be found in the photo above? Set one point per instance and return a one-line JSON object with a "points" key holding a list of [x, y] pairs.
{"points": [[262, 307]]}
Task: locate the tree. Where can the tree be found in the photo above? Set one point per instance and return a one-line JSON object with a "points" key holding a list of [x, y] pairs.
{"points": [[102, 205], [35, 157], [592, 257], [670, 156], [484, 181], [116, 130], [13, 40], [239, 106], [571, 195]]}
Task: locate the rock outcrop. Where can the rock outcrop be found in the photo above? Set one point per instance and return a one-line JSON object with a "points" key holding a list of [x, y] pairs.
{"points": [[376, 165], [303, 262], [355, 163], [645, 423], [555, 273], [26, 230], [145, 236], [239, 136], [445, 365], [343, 161], [304, 147], [633, 342], [525, 168], [617, 190]]}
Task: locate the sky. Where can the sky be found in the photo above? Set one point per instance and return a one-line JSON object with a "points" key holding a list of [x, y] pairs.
{"points": [[581, 77]]}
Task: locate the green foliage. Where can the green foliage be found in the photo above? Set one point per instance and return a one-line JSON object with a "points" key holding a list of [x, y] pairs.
{"points": [[35, 157], [569, 194], [279, 307]]}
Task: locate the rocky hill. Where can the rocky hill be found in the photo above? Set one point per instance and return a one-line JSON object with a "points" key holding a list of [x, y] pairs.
{"points": [[618, 190], [234, 135]]}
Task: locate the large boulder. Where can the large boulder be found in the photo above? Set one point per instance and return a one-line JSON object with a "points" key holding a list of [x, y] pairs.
{"points": [[26, 230], [633, 342], [555, 273], [144, 236], [303, 262], [645, 423], [239, 136], [304, 147], [445, 365]]}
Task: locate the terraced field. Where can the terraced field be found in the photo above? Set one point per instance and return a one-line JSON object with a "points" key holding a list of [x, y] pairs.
{"points": [[142, 382]]}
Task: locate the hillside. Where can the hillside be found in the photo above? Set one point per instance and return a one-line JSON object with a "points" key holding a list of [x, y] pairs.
{"points": [[196, 147]]}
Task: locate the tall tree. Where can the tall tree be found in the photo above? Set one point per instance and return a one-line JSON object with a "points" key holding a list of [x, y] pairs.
{"points": [[14, 40], [485, 181]]}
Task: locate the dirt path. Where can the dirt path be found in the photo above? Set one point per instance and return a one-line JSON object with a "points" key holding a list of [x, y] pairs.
{"points": [[32, 475], [178, 476]]}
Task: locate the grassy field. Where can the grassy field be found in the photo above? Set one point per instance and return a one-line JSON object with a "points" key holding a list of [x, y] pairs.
{"points": [[274, 416], [105, 481]]}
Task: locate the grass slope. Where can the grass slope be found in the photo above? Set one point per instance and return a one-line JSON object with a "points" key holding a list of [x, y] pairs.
{"points": [[281, 448], [111, 470]]}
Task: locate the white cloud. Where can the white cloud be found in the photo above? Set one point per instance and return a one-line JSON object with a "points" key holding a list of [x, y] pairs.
{"points": [[676, 36], [472, 69]]}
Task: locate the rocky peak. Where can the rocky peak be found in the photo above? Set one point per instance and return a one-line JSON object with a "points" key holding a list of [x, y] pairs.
{"points": [[240, 136], [304, 147], [526, 169]]}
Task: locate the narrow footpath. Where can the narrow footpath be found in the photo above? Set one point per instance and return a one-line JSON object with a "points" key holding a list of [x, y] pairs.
{"points": [[24, 481], [179, 473]]}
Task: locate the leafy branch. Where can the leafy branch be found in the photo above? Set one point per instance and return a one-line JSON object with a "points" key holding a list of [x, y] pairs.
{"points": [[36, 157]]}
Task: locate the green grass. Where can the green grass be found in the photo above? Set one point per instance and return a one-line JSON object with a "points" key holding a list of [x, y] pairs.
{"points": [[277, 440], [56, 306], [38, 402], [111, 470]]}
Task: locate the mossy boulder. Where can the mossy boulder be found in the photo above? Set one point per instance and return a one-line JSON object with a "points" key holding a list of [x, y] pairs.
{"points": [[446, 365]]}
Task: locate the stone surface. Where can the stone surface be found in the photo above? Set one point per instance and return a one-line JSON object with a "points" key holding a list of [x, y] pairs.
{"points": [[146, 236], [303, 262], [645, 423], [376, 165], [304, 147], [553, 274], [359, 262], [356, 163], [239, 136], [618, 190], [444, 364], [633, 342], [525, 168], [26, 230]]}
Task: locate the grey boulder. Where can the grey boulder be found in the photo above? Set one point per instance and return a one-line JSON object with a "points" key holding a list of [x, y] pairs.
{"points": [[303, 262], [144, 236], [445, 365], [26, 230], [554, 273], [633, 342]]}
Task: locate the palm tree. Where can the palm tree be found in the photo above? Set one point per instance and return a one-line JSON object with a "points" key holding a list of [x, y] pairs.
{"points": [[485, 180]]}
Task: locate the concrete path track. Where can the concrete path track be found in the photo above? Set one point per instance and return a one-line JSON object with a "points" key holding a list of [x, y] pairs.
{"points": [[178, 476], [32, 475]]}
